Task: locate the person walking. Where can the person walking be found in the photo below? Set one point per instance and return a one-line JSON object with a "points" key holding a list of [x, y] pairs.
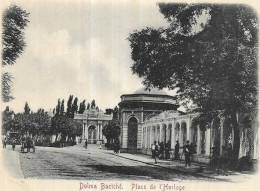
{"points": [[13, 144], [176, 151], [154, 148], [4, 141], [187, 152], [167, 149], [86, 144], [161, 154]]}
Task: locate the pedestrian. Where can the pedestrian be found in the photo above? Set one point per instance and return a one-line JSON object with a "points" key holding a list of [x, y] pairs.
{"points": [[86, 144], [167, 149], [176, 151], [187, 152], [161, 154], [192, 150], [13, 144], [4, 141], [154, 148]]}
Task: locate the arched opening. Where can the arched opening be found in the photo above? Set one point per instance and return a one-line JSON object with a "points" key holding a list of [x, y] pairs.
{"points": [[164, 134], [184, 132], [202, 139], [194, 137], [92, 134], [158, 133], [215, 137], [227, 141], [169, 134], [148, 137], [132, 132], [177, 132], [247, 145], [153, 135]]}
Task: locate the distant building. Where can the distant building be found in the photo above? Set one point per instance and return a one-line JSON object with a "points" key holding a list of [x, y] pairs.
{"points": [[93, 120]]}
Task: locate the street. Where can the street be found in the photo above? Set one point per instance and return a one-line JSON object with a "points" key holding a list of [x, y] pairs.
{"points": [[91, 164], [78, 163]]}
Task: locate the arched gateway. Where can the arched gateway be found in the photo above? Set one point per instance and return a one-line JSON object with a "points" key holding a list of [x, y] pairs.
{"points": [[93, 121]]}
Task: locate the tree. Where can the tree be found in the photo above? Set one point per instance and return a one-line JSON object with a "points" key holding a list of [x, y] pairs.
{"points": [[58, 108], [88, 106], [112, 130], [62, 107], [211, 62], [69, 106], [93, 104], [14, 22], [108, 111], [82, 107], [74, 108], [27, 108]]}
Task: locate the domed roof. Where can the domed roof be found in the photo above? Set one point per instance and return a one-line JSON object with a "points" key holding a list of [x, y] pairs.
{"points": [[154, 91]]}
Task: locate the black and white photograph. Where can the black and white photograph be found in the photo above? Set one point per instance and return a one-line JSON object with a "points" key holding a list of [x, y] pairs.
{"points": [[129, 95]]}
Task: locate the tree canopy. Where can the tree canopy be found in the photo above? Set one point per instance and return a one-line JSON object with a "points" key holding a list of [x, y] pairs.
{"points": [[112, 130], [208, 52], [14, 21]]}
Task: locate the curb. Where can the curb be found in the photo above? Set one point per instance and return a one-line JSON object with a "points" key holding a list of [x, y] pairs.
{"points": [[174, 169]]}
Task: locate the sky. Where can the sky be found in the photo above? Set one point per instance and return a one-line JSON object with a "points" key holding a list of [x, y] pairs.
{"points": [[81, 49]]}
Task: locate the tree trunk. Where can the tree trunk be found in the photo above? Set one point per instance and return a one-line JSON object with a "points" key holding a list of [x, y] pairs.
{"points": [[236, 145]]}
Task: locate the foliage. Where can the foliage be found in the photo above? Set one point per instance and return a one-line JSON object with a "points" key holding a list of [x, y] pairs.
{"points": [[27, 108], [69, 106], [82, 107], [211, 62], [93, 104], [14, 22], [62, 107], [33, 123], [63, 123], [74, 108], [6, 87], [108, 111], [112, 130]]}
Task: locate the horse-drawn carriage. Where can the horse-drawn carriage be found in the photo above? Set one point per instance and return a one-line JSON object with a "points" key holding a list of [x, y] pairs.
{"points": [[27, 144]]}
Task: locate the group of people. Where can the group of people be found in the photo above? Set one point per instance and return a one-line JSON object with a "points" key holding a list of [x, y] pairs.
{"points": [[25, 143], [159, 150]]}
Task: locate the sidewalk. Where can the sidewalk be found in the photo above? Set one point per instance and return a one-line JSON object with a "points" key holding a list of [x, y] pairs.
{"points": [[11, 161], [194, 169]]}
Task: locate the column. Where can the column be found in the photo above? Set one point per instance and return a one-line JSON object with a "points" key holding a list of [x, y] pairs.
{"points": [[151, 137], [160, 133], [146, 137], [142, 136], [83, 130], [180, 136], [173, 135], [101, 132], [207, 147], [86, 130], [98, 132], [188, 130], [124, 136], [198, 140]]}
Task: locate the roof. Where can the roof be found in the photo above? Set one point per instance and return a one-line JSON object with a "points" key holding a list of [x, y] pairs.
{"points": [[153, 91]]}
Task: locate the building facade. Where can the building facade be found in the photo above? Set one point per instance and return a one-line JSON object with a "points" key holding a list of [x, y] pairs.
{"points": [[137, 108], [93, 121], [152, 116]]}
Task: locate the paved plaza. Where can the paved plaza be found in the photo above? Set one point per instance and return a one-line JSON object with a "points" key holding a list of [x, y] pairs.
{"points": [[78, 163]]}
